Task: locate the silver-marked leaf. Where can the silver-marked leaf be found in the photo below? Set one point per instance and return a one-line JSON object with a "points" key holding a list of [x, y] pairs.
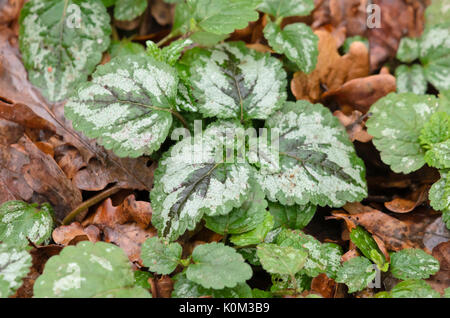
{"points": [[413, 288], [315, 161], [332, 253], [411, 79], [223, 16], [408, 49], [435, 57], [356, 273], [440, 193], [127, 105], [88, 270], [160, 256], [286, 8], [20, 221], [396, 124], [15, 263], [297, 41], [217, 266], [281, 259], [232, 81], [243, 219], [127, 10], [255, 236], [435, 138], [193, 178], [413, 263], [294, 217], [61, 43], [185, 288], [436, 13]]}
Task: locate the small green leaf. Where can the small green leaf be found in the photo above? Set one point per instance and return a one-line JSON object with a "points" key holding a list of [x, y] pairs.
{"points": [[297, 41], [20, 221], [435, 138], [88, 270], [411, 79], [413, 264], [141, 279], [15, 263], [255, 236], [286, 8], [332, 254], [408, 49], [61, 43], [242, 219], [127, 105], [396, 124], [223, 16], [277, 259], [413, 289], [314, 162], [160, 256], [249, 254], [232, 81], [125, 47], [439, 196], [367, 245], [259, 293], [169, 54], [127, 10], [294, 217], [436, 13], [356, 273], [217, 266], [434, 48], [192, 179]]}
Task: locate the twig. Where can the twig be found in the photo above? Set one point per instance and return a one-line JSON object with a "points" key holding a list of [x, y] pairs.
{"points": [[88, 203]]}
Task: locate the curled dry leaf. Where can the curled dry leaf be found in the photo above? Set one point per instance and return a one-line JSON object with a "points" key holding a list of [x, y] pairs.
{"points": [[354, 124], [74, 233], [405, 205], [323, 285], [332, 70]]}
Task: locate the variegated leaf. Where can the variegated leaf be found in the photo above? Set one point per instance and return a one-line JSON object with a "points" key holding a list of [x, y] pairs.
{"points": [[232, 81], [127, 10], [297, 41], [193, 178], [128, 105], [15, 263], [315, 163], [286, 8], [62, 42], [410, 79]]}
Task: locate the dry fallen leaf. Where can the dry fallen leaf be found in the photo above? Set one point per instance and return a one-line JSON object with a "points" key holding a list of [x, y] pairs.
{"points": [[74, 233], [354, 124]]}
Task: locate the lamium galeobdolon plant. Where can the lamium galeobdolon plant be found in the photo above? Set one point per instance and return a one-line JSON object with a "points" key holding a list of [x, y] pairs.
{"points": [[254, 171]]}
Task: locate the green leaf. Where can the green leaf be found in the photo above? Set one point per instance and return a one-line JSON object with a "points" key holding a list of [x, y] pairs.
{"points": [[411, 79], [332, 254], [88, 270], [232, 81], [367, 245], [356, 273], [192, 179], [127, 105], [439, 196], [169, 54], [315, 161], [434, 48], [436, 13], [435, 138], [285, 283], [242, 219], [125, 47], [286, 8], [249, 254], [277, 259], [413, 289], [61, 43], [223, 16], [184, 288], [297, 41], [15, 263], [141, 279], [408, 49], [255, 236], [396, 124], [160, 256], [259, 293], [217, 266], [413, 263], [127, 10], [20, 221], [447, 292], [294, 217]]}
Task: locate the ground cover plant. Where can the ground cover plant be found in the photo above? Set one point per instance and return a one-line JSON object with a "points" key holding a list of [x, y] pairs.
{"points": [[196, 148]]}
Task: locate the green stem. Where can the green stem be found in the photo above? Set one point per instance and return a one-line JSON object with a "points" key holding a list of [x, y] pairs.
{"points": [[88, 203]]}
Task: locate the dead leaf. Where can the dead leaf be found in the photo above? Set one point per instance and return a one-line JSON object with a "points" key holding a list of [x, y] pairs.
{"points": [[352, 253], [441, 280], [161, 287], [435, 233], [9, 10], [354, 125], [162, 12], [403, 205], [73, 233], [323, 285]]}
